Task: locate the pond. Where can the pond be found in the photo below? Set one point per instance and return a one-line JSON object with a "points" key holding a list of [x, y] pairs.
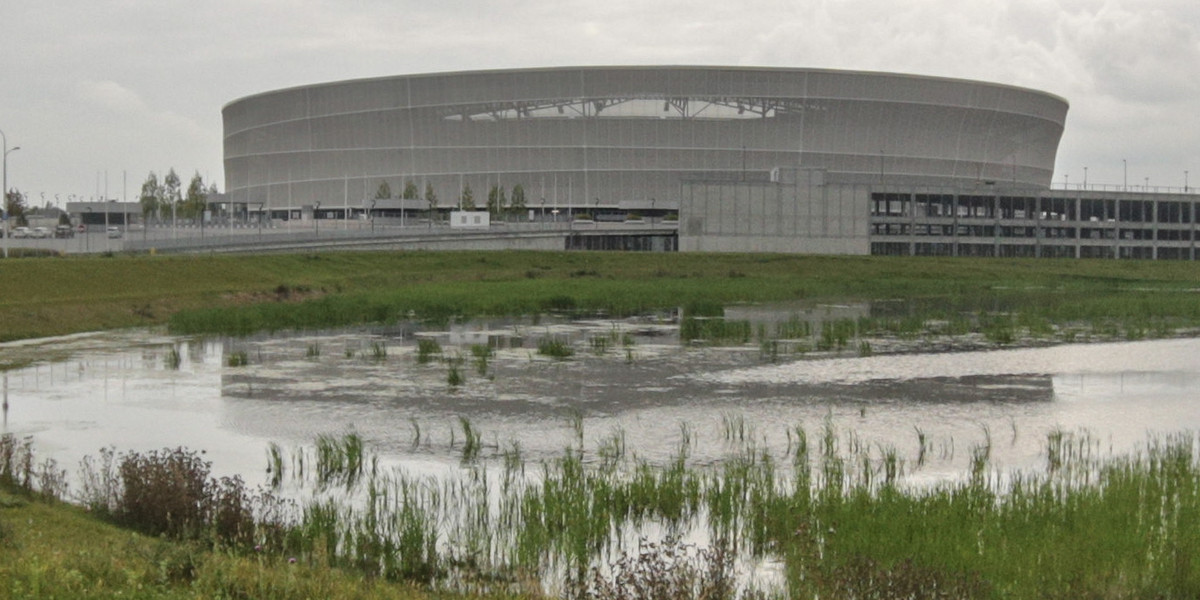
{"points": [[632, 378]]}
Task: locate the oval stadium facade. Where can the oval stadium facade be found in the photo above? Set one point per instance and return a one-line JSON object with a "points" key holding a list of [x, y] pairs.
{"points": [[628, 137]]}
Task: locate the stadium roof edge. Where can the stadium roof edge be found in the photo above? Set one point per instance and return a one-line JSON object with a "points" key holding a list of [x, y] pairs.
{"points": [[650, 67]]}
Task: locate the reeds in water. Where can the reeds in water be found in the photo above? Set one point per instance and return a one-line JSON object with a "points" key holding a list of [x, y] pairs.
{"points": [[839, 517]]}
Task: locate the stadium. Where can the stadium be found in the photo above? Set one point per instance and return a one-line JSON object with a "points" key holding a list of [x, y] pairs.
{"points": [[622, 136], [747, 159]]}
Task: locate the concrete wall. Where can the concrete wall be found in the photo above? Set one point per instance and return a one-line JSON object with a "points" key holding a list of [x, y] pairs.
{"points": [[804, 215]]}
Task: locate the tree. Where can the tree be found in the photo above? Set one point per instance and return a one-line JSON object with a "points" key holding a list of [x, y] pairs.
{"points": [[171, 191], [495, 201], [15, 207], [410, 191], [517, 203], [151, 198], [384, 192], [197, 198], [467, 200], [432, 199]]}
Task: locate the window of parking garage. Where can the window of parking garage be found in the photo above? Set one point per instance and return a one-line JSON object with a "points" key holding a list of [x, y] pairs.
{"points": [[1018, 251], [889, 205], [1174, 212], [1096, 252], [1058, 252], [1097, 233], [1174, 235], [1058, 209], [981, 207], [1058, 232], [1174, 253], [1097, 210], [1012, 207], [976, 250], [889, 228], [934, 249], [937, 230], [1137, 252], [1137, 234], [977, 230], [1135, 211], [889, 249], [934, 205], [1017, 232]]}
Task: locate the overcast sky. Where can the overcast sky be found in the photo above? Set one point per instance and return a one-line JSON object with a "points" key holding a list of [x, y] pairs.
{"points": [[91, 89]]}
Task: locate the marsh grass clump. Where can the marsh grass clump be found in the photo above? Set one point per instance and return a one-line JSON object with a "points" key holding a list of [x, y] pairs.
{"points": [[482, 354], [555, 347], [472, 440], [312, 351], [378, 351], [668, 570], [599, 344], [998, 329], [427, 350], [275, 468], [340, 459], [173, 358], [454, 376], [238, 359], [769, 350], [836, 334], [714, 330]]}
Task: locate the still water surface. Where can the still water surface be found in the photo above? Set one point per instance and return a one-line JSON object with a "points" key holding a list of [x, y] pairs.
{"points": [[119, 389]]}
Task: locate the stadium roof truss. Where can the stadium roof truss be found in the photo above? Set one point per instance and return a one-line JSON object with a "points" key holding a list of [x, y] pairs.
{"points": [[647, 106]]}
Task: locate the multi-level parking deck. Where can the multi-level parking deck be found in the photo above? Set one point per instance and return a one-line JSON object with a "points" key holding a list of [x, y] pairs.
{"points": [[1078, 223]]}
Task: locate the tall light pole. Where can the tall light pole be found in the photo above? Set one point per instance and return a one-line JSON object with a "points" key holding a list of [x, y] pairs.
{"points": [[4, 201], [1124, 175]]}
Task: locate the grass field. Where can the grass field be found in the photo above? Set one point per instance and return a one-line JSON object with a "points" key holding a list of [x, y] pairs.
{"points": [[238, 294]]}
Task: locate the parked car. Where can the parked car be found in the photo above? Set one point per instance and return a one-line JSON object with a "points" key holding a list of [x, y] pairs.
{"points": [[114, 232], [20, 232], [40, 233], [64, 231]]}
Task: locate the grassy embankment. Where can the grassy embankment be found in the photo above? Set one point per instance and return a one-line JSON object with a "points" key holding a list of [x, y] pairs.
{"points": [[239, 294], [54, 550]]}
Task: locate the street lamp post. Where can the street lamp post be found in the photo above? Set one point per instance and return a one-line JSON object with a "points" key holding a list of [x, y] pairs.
{"points": [[4, 208], [316, 222]]}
